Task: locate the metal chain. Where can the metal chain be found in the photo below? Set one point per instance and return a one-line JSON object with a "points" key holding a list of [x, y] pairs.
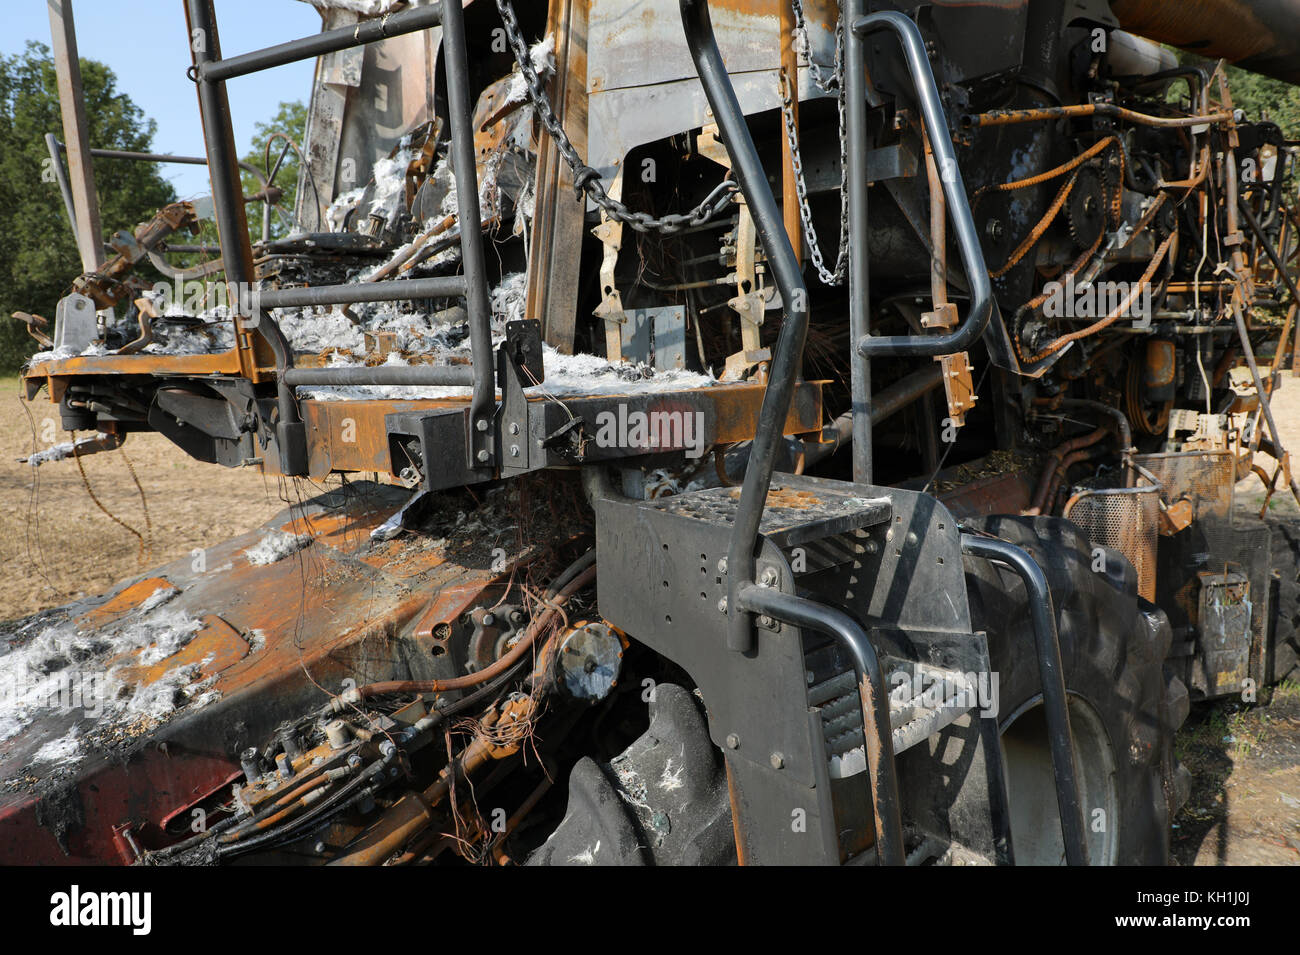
{"points": [[586, 179], [796, 159], [804, 47]]}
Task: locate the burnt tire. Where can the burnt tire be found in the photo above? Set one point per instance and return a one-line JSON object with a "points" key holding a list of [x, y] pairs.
{"points": [[1125, 705], [1285, 541], [662, 801]]}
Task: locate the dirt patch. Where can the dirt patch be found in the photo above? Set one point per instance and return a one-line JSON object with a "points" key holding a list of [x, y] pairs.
{"points": [[57, 545], [1244, 807]]}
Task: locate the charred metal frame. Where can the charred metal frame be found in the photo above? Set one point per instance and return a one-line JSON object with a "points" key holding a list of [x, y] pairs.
{"points": [[210, 73], [788, 356]]}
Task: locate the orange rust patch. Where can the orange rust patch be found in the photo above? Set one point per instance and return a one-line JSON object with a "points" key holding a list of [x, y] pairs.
{"points": [[402, 560], [117, 607], [784, 497], [345, 532]]}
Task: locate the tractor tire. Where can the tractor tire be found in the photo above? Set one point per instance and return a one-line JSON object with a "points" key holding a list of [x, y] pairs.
{"points": [[1125, 704], [1286, 614], [662, 801]]}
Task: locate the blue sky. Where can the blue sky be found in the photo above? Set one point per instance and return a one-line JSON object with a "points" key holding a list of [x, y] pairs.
{"points": [[144, 42]]}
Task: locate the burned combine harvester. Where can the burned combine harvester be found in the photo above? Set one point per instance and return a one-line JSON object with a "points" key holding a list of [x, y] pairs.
{"points": [[797, 433]]}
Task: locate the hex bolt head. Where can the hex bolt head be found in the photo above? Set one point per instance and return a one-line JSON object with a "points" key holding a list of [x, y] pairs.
{"points": [[769, 577], [733, 741], [766, 621], [481, 424], [722, 605], [514, 450], [484, 457], [514, 427], [777, 761]]}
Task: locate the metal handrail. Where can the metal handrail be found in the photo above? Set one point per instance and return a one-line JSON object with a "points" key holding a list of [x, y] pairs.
{"points": [[936, 127], [785, 268], [210, 72], [877, 736], [1056, 708]]}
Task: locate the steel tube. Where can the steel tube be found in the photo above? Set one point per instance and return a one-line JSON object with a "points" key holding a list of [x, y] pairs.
{"points": [[954, 190], [232, 228], [878, 739], [358, 292], [1043, 617], [794, 297], [328, 41], [1267, 246], [53, 145], [460, 107], [855, 110], [458, 375]]}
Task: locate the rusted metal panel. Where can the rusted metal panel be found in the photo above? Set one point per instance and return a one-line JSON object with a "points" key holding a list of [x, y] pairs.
{"points": [[287, 633], [1259, 35]]}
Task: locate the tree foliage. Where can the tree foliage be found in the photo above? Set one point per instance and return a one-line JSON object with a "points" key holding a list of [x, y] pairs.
{"points": [[38, 258]]}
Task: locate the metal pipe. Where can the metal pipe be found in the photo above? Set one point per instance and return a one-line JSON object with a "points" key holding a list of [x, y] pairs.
{"points": [[968, 244], [1264, 405], [884, 405], [1008, 117], [53, 145], [460, 107], [1267, 246], [186, 161], [232, 230], [1043, 617], [877, 738], [1045, 482], [408, 375], [794, 297], [855, 110], [442, 286], [1121, 420], [72, 106], [327, 41]]}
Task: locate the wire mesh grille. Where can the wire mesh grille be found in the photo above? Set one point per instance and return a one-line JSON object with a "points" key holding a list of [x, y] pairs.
{"points": [[1127, 521]]}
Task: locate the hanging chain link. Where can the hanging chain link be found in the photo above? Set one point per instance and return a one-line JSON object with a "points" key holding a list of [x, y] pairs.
{"points": [[586, 179], [835, 85]]}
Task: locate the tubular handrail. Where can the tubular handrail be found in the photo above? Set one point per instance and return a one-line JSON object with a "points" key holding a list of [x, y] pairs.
{"points": [[327, 41], [788, 355], [954, 191], [877, 734], [1055, 702], [210, 72]]}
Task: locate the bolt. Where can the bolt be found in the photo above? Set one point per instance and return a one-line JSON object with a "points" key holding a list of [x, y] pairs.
{"points": [[481, 424], [514, 450], [722, 605], [722, 565], [766, 621], [514, 428], [777, 761], [769, 578], [733, 741], [483, 457]]}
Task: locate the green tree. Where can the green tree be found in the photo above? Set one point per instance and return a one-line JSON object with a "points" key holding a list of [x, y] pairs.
{"points": [[290, 120], [38, 259]]}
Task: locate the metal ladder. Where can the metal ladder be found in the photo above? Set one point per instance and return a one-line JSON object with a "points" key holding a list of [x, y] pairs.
{"points": [[210, 74], [748, 600]]}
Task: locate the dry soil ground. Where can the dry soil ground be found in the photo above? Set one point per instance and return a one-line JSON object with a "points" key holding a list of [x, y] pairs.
{"points": [[56, 544]]}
